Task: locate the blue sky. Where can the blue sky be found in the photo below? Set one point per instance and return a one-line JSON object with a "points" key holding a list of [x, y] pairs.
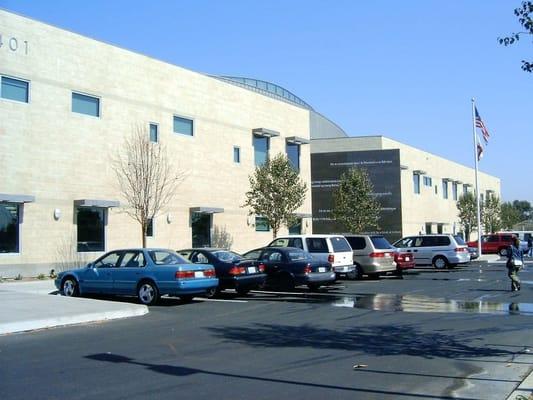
{"points": [[403, 69]]}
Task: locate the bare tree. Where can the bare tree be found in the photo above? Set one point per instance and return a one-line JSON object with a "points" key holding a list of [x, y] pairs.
{"points": [[146, 177]]}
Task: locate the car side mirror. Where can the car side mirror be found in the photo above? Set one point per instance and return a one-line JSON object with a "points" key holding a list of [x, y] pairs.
{"points": [[90, 265]]}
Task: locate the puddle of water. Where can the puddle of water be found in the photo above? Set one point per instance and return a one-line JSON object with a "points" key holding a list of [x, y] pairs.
{"points": [[412, 303]]}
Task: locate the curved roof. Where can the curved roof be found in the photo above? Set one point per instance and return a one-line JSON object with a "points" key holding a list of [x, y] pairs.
{"points": [[267, 88]]}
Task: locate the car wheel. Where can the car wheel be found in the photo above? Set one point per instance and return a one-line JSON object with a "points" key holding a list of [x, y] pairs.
{"points": [[399, 273], [212, 292], [70, 287], [357, 273], [242, 291], [313, 287], [503, 252], [440, 262], [147, 293]]}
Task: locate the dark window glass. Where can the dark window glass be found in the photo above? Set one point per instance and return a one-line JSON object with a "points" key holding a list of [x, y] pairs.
{"points": [[150, 228], [14, 89], [91, 224], [428, 241], [261, 224], [340, 244], [440, 228], [296, 242], [108, 260], [443, 241], [293, 154], [454, 191], [416, 183], [9, 228], [252, 255], [132, 259], [428, 227], [380, 242], [236, 154], [356, 243], [316, 245], [296, 229], [261, 145], [162, 257], [460, 241], [281, 242], [183, 126], [445, 189], [84, 104], [154, 133]]}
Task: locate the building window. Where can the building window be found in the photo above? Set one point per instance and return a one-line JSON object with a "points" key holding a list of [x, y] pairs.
{"points": [[428, 181], [293, 154], [183, 126], [83, 104], [154, 133], [91, 228], [150, 228], [465, 189], [14, 89], [445, 189], [261, 224], [454, 191], [261, 145], [440, 228], [428, 228], [236, 154], [296, 228], [416, 183], [9, 228]]}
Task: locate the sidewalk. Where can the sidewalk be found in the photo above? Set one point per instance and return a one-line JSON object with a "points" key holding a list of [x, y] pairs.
{"points": [[32, 305]]}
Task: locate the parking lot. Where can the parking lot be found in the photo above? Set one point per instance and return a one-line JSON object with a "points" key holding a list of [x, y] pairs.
{"points": [[447, 334]]}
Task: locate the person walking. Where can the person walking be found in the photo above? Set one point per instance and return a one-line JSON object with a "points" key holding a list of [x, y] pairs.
{"points": [[515, 262], [529, 246]]}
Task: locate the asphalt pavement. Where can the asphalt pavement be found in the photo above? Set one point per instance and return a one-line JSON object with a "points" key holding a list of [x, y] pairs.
{"points": [[402, 338]]}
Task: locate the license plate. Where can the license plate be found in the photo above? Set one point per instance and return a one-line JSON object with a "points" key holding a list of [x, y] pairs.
{"points": [[198, 274], [321, 269], [252, 270]]}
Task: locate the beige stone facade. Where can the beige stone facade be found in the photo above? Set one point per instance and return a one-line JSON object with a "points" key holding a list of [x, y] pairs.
{"points": [[429, 206], [59, 156]]}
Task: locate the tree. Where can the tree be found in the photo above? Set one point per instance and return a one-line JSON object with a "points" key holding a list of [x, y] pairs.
{"points": [[467, 207], [509, 215], [524, 14], [353, 203], [492, 214], [523, 207], [276, 192], [146, 177]]}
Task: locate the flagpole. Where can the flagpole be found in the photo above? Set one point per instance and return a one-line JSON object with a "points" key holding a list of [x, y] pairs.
{"points": [[477, 180]]}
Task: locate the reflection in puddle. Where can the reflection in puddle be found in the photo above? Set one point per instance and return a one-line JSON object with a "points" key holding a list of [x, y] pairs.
{"points": [[410, 303]]}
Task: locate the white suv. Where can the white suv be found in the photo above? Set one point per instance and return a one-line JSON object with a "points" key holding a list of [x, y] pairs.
{"points": [[441, 251], [331, 248]]}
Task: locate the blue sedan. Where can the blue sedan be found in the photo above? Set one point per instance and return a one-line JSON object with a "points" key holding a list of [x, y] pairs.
{"points": [[145, 273]]}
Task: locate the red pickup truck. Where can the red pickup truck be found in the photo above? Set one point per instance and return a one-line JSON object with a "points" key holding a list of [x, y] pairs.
{"points": [[494, 243]]}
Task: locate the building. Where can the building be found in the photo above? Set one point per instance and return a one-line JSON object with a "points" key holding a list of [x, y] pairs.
{"points": [[67, 102], [418, 191]]}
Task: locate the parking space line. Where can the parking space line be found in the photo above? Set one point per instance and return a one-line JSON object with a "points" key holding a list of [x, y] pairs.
{"points": [[220, 300]]}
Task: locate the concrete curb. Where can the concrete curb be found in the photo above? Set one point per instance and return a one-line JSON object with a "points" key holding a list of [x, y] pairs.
{"points": [[29, 306], [524, 391]]}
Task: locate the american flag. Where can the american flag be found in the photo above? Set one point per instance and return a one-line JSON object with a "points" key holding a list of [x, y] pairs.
{"points": [[481, 125]]}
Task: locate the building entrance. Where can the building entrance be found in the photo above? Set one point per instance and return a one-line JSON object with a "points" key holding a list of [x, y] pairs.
{"points": [[201, 229]]}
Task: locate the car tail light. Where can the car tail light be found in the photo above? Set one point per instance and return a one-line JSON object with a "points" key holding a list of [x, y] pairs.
{"points": [[376, 255], [331, 258], [308, 269], [209, 273], [184, 274], [236, 270], [461, 250], [261, 267]]}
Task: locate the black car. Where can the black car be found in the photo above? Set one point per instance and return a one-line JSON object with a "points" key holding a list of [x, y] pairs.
{"points": [[287, 267], [232, 270]]}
